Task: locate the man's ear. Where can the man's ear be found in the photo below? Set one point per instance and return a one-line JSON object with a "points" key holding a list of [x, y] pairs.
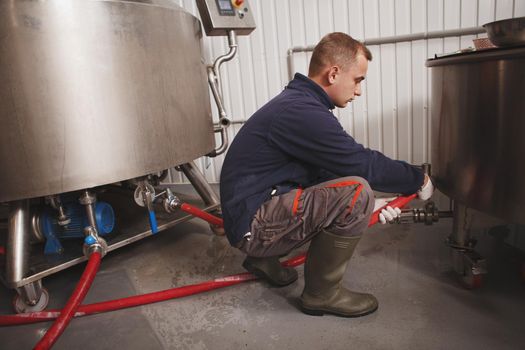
{"points": [[333, 72]]}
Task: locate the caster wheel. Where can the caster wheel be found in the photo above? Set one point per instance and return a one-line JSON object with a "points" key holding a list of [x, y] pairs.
{"points": [[20, 305], [217, 230], [472, 281]]}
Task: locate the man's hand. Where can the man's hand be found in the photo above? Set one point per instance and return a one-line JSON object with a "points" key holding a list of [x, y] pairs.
{"points": [[389, 214], [425, 192]]}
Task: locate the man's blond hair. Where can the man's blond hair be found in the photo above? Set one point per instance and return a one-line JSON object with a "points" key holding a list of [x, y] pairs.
{"points": [[336, 49]]}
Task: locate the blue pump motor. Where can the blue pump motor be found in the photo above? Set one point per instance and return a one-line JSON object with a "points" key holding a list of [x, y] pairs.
{"points": [[53, 232]]}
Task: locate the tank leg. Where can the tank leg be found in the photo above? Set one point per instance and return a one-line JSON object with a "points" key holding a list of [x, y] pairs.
{"points": [[31, 297], [467, 263], [200, 184], [17, 254], [204, 190]]}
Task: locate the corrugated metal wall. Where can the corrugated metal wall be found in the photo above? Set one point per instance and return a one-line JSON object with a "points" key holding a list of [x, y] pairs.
{"points": [[392, 115]]}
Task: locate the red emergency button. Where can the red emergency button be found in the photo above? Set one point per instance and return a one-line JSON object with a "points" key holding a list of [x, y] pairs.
{"points": [[237, 3]]}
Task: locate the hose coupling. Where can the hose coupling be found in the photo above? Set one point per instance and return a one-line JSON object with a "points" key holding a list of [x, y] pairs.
{"points": [[428, 215], [93, 243], [171, 202]]}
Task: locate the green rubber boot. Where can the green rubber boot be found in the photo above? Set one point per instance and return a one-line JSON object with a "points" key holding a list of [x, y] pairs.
{"points": [[270, 269], [325, 266]]}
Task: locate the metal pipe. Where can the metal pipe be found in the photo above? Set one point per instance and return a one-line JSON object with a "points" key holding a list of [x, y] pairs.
{"points": [[391, 40], [460, 235], [200, 184], [224, 143], [214, 86], [56, 203], [17, 242], [238, 122], [112, 305], [89, 199], [214, 80], [232, 43], [446, 214]]}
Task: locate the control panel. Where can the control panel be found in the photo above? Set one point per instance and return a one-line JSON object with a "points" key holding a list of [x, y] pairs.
{"points": [[221, 16]]}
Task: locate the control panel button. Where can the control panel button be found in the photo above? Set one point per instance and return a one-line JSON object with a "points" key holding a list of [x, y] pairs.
{"points": [[237, 3]]}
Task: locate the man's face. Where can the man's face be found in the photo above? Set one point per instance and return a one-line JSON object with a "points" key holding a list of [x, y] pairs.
{"points": [[346, 84]]}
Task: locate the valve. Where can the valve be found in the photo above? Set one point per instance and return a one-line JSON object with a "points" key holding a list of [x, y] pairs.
{"points": [[427, 215], [144, 197], [56, 203], [171, 202], [93, 243]]}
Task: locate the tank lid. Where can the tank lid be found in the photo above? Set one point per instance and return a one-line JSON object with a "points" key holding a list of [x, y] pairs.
{"points": [[472, 56]]}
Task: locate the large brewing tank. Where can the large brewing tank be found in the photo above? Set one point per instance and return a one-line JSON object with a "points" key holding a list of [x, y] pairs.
{"points": [[478, 130], [94, 92]]}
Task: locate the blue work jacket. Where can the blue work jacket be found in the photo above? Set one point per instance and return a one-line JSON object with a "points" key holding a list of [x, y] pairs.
{"points": [[295, 141]]}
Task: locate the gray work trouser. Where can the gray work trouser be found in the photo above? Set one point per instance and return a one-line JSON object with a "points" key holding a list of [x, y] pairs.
{"points": [[342, 206]]}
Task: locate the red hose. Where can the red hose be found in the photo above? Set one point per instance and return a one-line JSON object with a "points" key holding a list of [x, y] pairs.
{"points": [[83, 310], [190, 209], [72, 304]]}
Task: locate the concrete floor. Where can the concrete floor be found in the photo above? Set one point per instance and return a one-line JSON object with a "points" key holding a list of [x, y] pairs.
{"points": [[422, 305]]}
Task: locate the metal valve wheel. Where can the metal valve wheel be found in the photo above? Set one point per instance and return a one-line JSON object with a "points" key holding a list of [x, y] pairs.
{"points": [[137, 196]]}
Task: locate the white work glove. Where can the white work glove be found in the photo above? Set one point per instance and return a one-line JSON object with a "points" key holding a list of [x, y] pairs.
{"points": [[388, 214], [426, 191]]}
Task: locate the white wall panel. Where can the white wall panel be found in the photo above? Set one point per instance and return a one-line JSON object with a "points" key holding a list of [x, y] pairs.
{"points": [[519, 8], [403, 80], [419, 21], [388, 80], [486, 10], [358, 108], [469, 18], [284, 38], [504, 9], [340, 23], [373, 93], [326, 16], [393, 113]]}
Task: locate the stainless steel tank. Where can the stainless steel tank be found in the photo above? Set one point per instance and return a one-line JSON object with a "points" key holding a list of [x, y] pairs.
{"points": [[478, 130], [94, 92]]}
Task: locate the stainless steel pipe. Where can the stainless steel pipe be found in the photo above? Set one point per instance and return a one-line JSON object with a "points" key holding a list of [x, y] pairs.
{"points": [[200, 184], [17, 252], [391, 40]]}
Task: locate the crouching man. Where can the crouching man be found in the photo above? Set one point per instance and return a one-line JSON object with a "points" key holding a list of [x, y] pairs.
{"points": [[293, 175]]}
